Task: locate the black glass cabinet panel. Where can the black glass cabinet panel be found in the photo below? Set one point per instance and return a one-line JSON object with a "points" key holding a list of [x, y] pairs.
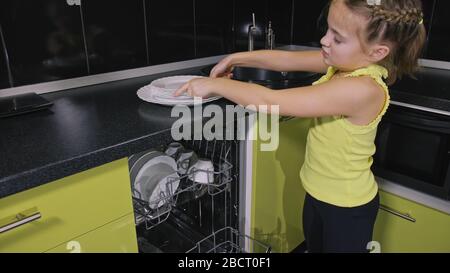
{"points": [[44, 40], [214, 27], [4, 81], [427, 7], [115, 34], [243, 19], [170, 27], [439, 36], [280, 14], [310, 22]]}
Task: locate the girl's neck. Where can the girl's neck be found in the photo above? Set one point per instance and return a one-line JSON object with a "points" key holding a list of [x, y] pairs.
{"points": [[340, 72]]}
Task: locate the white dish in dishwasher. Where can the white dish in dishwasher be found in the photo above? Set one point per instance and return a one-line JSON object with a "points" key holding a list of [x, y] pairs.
{"points": [[157, 184], [142, 170]]}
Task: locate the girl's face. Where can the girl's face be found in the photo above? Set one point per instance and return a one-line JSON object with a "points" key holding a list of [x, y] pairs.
{"points": [[341, 46]]}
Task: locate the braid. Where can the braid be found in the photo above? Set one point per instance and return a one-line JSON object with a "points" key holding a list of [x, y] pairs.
{"points": [[398, 22], [411, 16]]}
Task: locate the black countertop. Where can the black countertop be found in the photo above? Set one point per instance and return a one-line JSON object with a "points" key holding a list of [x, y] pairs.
{"points": [[90, 126], [86, 127]]}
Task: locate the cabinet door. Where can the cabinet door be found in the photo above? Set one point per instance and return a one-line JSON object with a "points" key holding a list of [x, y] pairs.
{"points": [[278, 195], [116, 237], [405, 226], [41, 218]]}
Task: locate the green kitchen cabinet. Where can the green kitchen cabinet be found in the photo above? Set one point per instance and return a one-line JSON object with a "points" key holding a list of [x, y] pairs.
{"points": [[405, 226], [402, 225], [41, 218], [116, 237], [278, 196]]}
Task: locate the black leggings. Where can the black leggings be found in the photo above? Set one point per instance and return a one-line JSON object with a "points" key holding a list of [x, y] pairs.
{"points": [[330, 228]]}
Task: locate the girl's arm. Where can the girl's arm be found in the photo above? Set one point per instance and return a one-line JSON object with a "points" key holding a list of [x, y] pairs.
{"points": [[341, 96], [278, 60]]}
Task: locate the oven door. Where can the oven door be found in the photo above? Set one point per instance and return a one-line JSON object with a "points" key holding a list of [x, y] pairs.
{"points": [[413, 149]]}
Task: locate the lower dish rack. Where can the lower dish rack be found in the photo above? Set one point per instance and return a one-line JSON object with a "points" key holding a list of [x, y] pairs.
{"points": [[229, 240]]}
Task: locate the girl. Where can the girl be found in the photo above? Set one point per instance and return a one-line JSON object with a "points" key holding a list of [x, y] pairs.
{"points": [[367, 46]]}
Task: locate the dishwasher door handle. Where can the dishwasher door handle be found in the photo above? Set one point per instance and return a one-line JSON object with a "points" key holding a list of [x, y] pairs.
{"points": [[22, 218]]}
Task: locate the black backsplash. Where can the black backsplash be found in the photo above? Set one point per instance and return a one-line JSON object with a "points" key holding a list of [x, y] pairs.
{"points": [[44, 40], [171, 30], [50, 40], [439, 39], [4, 80], [309, 22], [116, 39], [214, 27], [280, 13]]}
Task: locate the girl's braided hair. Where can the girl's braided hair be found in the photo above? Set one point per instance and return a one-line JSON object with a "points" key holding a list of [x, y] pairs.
{"points": [[400, 24]]}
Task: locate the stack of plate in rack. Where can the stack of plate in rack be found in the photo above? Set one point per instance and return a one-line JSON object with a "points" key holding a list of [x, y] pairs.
{"points": [[161, 91], [154, 177]]}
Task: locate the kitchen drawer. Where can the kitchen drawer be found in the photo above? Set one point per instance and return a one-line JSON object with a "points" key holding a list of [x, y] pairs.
{"points": [[406, 226], [67, 208], [116, 237]]}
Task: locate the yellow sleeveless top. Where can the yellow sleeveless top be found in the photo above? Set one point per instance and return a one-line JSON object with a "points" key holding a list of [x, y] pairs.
{"points": [[339, 153]]}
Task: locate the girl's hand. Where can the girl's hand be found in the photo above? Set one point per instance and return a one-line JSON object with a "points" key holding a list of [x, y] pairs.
{"points": [[222, 69], [197, 88]]}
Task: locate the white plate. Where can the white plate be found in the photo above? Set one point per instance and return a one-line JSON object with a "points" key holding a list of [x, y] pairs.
{"points": [[173, 82], [136, 162], [146, 161], [159, 181], [161, 91], [148, 98]]}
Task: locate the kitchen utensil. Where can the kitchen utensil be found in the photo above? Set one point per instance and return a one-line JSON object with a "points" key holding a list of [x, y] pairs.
{"points": [[173, 149], [202, 171], [185, 159]]}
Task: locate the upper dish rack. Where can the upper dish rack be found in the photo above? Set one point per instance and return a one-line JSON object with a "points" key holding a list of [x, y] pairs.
{"points": [[157, 211]]}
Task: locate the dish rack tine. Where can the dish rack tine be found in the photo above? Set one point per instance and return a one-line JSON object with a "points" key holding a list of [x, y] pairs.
{"points": [[200, 146], [214, 149], [229, 240], [206, 149]]}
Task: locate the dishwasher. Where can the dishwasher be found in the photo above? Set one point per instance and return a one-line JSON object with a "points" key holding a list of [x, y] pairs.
{"points": [[198, 217]]}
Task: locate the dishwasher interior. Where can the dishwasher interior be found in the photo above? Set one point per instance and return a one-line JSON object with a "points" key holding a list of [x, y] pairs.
{"points": [[189, 216]]}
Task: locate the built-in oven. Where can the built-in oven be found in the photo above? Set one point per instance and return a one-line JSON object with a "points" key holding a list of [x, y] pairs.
{"points": [[413, 149]]}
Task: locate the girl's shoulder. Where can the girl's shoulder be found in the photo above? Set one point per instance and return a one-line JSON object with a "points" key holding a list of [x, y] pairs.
{"points": [[375, 71], [367, 79], [365, 87]]}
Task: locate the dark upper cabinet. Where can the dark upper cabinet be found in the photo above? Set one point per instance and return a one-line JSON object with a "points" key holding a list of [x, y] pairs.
{"points": [[44, 40], [280, 14], [170, 26], [4, 81], [214, 27], [439, 35], [243, 19], [115, 34], [310, 22]]}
